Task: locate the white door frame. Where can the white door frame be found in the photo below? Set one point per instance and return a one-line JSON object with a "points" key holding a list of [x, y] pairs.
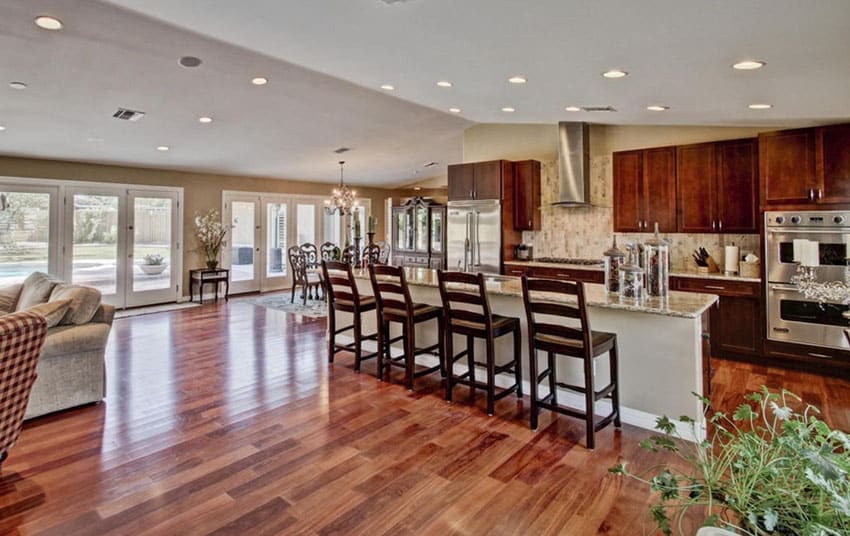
{"points": [[172, 291]]}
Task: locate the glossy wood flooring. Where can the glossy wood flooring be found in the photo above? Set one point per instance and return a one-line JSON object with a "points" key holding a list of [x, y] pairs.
{"points": [[227, 419]]}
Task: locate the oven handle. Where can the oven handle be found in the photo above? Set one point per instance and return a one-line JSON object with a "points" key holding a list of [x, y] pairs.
{"points": [[808, 231], [790, 288]]}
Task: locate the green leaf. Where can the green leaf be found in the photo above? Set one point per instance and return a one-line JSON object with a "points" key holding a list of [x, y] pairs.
{"points": [[664, 424], [619, 469], [770, 519], [744, 413]]}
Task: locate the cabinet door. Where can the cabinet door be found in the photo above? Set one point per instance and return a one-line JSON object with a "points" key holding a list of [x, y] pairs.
{"points": [[399, 230], [659, 189], [787, 167], [420, 223], [735, 327], [834, 164], [438, 229], [628, 212], [526, 195], [461, 182], [696, 189], [488, 180], [737, 186]]}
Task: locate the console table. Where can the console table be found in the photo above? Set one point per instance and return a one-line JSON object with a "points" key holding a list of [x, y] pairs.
{"points": [[204, 276]]}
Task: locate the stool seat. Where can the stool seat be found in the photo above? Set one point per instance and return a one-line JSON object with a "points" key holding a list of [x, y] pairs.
{"points": [[601, 343], [421, 312], [500, 325], [365, 303]]}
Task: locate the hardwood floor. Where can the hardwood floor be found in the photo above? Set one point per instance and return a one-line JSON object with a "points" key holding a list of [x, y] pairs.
{"points": [[227, 419]]}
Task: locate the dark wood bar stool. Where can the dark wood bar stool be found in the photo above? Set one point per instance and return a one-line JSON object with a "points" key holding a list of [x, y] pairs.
{"points": [[467, 312], [553, 335], [395, 305], [341, 290]]}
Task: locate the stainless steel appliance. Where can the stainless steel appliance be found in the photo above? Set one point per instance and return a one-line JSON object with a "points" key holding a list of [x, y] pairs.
{"points": [[474, 242], [524, 252], [790, 316]]}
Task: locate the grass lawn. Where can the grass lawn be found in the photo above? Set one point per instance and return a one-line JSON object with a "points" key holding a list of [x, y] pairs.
{"points": [[31, 252]]}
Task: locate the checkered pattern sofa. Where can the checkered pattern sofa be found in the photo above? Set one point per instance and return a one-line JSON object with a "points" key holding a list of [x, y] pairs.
{"points": [[22, 336]]}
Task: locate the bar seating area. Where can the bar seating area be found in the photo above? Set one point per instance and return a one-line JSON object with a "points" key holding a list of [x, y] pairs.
{"points": [[342, 294]]}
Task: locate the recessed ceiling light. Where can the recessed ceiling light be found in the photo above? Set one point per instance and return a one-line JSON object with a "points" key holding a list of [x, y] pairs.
{"points": [[205, 119], [259, 80], [17, 85], [749, 65], [163, 148], [388, 87], [455, 110], [2, 128], [760, 106], [572, 109], [517, 80], [190, 61], [444, 83], [508, 109], [657, 108], [615, 73], [93, 139], [46, 22], [417, 188]]}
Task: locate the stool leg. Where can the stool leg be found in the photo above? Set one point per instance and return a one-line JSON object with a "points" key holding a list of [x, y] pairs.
{"points": [[450, 365], [441, 341], [409, 357], [380, 357], [532, 366], [518, 361], [589, 396], [552, 387], [470, 360], [491, 377], [331, 334], [615, 394], [358, 334]]}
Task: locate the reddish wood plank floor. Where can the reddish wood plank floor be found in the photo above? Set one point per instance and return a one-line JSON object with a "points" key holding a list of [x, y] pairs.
{"points": [[227, 419]]}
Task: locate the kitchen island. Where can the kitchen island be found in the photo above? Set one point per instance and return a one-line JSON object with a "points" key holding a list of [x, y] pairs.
{"points": [[660, 344]]}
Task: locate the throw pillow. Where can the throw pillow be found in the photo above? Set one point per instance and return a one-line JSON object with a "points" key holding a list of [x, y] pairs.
{"points": [[9, 298], [52, 311], [84, 302], [36, 289]]}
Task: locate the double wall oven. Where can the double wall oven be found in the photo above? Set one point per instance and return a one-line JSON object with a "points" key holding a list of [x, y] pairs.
{"points": [[790, 316]]}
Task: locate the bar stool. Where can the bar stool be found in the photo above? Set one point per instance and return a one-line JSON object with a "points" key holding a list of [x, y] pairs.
{"points": [[555, 337], [467, 313], [341, 290], [395, 305]]}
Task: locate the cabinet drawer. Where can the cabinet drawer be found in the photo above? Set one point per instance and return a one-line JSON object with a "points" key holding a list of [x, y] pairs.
{"points": [[571, 274], [720, 287], [515, 270]]}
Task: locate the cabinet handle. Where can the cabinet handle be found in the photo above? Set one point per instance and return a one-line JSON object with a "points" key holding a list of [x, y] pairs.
{"points": [[824, 356], [811, 194], [820, 193], [713, 225], [639, 225], [529, 223], [715, 287], [562, 274], [719, 225]]}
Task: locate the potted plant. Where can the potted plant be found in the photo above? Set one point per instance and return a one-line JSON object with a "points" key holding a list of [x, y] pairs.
{"points": [[154, 264], [210, 233], [769, 468]]}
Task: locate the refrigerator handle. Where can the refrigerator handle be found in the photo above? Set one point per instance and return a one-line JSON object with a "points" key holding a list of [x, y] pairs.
{"points": [[478, 238], [467, 244]]}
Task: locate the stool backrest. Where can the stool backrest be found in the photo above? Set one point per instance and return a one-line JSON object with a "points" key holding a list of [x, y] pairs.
{"points": [[390, 288], [339, 282], [468, 303], [560, 314]]}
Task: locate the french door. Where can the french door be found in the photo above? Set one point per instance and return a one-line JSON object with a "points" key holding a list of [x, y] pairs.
{"points": [[124, 242]]}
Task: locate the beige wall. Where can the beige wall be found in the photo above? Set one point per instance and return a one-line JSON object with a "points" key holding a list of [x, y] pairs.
{"points": [[202, 191]]}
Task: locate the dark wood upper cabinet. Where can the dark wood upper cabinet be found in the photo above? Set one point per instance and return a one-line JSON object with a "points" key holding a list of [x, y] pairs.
{"points": [[526, 195], [787, 167], [659, 189], [478, 180], [628, 191], [833, 164], [737, 185], [461, 182], [696, 188]]}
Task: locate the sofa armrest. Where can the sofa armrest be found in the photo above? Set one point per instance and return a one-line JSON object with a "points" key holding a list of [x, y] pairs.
{"points": [[104, 314]]}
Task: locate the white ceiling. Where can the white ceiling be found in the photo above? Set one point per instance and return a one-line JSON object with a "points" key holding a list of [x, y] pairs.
{"points": [[327, 58]]}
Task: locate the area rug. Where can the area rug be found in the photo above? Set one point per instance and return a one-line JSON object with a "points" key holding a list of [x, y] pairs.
{"points": [[280, 302], [138, 311]]}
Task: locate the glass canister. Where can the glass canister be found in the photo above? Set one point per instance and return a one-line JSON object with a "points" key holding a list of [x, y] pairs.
{"points": [[614, 258], [656, 263], [631, 276]]}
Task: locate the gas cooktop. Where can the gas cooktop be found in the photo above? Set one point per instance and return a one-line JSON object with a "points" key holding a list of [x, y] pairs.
{"points": [[562, 260]]}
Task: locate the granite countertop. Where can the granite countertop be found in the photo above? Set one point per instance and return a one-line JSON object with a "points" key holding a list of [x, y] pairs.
{"points": [[692, 273], [677, 304]]}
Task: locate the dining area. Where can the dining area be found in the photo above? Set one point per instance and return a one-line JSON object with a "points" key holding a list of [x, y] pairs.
{"points": [[305, 264]]}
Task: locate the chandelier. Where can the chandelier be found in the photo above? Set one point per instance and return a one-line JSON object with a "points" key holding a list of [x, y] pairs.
{"points": [[343, 199]]}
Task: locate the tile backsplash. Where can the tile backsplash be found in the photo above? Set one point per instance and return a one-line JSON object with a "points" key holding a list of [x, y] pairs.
{"points": [[586, 232]]}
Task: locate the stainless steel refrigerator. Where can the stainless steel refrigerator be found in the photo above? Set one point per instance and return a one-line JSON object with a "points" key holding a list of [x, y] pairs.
{"points": [[475, 236]]}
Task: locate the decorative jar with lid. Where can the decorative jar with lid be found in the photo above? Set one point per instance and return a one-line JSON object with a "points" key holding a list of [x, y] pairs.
{"points": [[656, 263], [614, 258], [631, 276]]}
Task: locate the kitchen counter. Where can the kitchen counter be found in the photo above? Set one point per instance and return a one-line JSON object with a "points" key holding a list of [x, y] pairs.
{"points": [[693, 273], [660, 345]]}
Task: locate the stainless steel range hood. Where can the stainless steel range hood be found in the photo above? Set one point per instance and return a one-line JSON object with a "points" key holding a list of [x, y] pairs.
{"points": [[573, 165]]}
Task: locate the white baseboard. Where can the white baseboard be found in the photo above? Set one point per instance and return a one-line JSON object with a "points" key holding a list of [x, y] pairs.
{"points": [[634, 417]]}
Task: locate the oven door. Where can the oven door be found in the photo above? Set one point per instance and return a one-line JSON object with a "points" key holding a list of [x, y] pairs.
{"points": [[833, 248], [793, 318]]}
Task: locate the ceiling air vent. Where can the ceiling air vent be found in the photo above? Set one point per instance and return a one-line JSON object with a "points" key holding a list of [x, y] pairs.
{"points": [[429, 164], [342, 150], [598, 108], [128, 115]]}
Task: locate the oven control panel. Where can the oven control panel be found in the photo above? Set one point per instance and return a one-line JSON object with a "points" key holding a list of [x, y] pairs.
{"points": [[820, 218]]}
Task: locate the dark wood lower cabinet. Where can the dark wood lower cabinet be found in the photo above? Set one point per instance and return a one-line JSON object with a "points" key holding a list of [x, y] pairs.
{"points": [[551, 272]]}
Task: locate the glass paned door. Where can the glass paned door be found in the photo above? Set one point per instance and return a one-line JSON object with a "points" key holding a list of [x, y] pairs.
{"points": [[243, 215], [26, 233], [277, 228], [96, 219], [153, 246]]}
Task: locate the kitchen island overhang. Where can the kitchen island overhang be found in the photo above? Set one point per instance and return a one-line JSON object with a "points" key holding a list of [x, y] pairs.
{"points": [[660, 344]]}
